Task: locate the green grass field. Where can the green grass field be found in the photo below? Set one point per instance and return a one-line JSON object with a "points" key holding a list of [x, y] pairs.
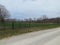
{"points": [[28, 25], [24, 28]]}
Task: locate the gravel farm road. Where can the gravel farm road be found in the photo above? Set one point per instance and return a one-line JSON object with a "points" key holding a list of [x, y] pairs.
{"points": [[45, 37]]}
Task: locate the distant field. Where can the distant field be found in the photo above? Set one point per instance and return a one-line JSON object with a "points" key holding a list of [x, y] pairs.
{"points": [[21, 28], [28, 25]]}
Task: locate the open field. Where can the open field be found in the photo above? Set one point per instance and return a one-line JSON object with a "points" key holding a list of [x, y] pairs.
{"points": [[28, 25], [25, 28]]}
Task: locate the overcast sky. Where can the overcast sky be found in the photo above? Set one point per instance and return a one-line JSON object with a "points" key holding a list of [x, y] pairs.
{"points": [[32, 8]]}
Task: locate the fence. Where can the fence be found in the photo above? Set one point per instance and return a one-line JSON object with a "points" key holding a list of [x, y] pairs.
{"points": [[14, 25], [19, 25]]}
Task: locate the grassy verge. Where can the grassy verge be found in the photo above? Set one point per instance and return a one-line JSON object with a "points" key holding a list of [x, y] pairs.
{"points": [[34, 27]]}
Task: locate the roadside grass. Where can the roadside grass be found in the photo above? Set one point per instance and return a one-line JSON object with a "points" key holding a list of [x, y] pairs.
{"points": [[26, 29]]}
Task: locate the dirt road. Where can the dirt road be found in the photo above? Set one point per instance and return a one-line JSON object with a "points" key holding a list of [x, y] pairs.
{"points": [[46, 37]]}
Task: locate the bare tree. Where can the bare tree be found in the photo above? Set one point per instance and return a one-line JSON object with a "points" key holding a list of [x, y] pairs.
{"points": [[3, 13], [44, 17]]}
